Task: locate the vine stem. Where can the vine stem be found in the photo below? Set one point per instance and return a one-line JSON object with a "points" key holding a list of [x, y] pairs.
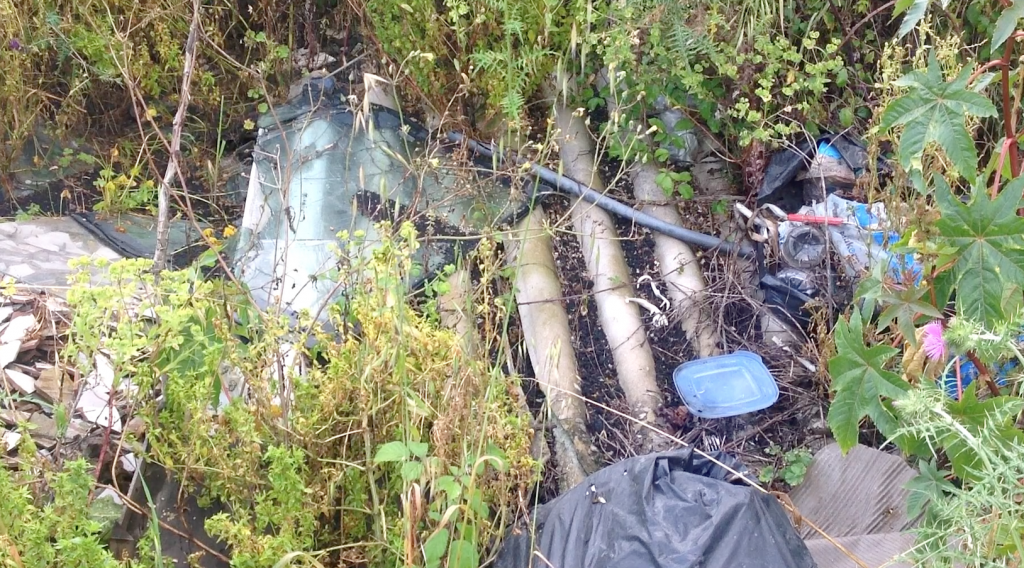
{"points": [[1009, 113]]}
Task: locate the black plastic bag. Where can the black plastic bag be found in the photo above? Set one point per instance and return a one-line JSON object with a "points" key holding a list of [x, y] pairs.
{"points": [[667, 510], [780, 185]]}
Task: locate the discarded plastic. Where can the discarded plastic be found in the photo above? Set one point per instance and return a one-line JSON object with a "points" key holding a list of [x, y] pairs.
{"points": [[681, 144], [969, 373], [668, 510], [803, 246], [862, 240], [727, 385], [837, 160]]}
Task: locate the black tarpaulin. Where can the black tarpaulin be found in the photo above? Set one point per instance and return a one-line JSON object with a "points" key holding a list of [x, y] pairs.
{"points": [[666, 510]]}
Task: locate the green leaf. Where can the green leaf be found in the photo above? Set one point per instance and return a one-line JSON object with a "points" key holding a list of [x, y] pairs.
{"points": [[988, 239], [449, 486], [463, 554], [929, 485], [434, 547], [902, 305], [995, 414], [1007, 23], [391, 452], [859, 381], [846, 117], [915, 11], [934, 111], [412, 471], [418, 449]]}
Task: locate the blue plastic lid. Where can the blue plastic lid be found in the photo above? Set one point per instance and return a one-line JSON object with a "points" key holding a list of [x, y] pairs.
{"points": [[826, 148], [727, 385]]}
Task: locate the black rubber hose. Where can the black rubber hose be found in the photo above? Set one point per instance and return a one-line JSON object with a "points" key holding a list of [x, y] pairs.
{"points": [[590, 195]]}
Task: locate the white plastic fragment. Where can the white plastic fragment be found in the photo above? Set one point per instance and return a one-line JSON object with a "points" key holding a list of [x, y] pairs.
{"points": [[24, 383], [11, 440], [109, 493], [103, 375], [98, 409], [9, 352], [129, 462], [18, 328]]}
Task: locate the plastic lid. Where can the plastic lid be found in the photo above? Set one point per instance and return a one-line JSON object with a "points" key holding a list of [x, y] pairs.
{"points": [[727, 385]]}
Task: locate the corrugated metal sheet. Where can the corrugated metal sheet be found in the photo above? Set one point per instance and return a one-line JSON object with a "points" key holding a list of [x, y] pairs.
{"points": [[861, 501]]}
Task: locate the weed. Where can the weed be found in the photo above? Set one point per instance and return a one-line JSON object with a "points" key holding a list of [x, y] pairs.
{"points": [[968, 241], [364, 456], [33, 211], [40, 529], [790, 467]]}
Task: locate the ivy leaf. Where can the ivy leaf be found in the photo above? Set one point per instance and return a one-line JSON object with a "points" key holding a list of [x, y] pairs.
{"points": [[934, 111], [1007, 23], [988, 237], [859, 381], [929, 485], [995, 414]]}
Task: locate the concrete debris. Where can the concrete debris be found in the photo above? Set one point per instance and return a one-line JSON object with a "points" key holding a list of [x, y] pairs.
{"points": [[15, 380], [11, 440], [39, 387]]}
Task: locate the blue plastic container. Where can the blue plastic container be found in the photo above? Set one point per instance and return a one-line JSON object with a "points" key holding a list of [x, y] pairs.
{"points": [[727, 385]]}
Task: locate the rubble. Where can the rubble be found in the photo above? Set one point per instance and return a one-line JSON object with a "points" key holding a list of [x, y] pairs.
{"points": [[37, 390]]}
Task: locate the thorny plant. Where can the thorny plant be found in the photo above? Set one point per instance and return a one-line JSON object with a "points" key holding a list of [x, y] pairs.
{"points": [[971, 253]]}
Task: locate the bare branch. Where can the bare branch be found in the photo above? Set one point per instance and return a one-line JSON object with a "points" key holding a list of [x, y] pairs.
{"points": [[173, 164]]}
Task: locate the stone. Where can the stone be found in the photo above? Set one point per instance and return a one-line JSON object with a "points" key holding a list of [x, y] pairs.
{"points": [[43, 428], [11, 440], [18, 328], [12, 417], [42, 242], [9, 352]]}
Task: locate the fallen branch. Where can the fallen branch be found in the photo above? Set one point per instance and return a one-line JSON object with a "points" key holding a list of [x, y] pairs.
{"points": [[163, 218]]}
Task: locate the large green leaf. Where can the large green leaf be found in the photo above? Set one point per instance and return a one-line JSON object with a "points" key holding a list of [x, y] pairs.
{"points": [[988, 238], [933, 111], [1007, 23], [859, 381], [901, 304]]}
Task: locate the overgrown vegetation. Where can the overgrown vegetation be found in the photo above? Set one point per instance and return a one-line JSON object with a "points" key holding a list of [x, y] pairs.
{"points": [[363, 458], [366, 459], [970, 252]]}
